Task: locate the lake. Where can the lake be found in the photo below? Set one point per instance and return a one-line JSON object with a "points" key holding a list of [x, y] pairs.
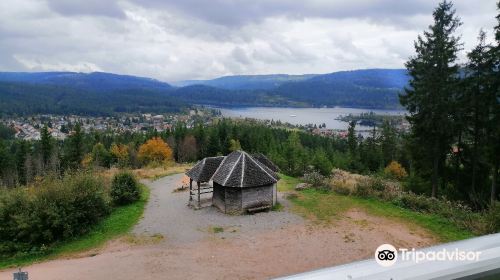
{"points": [[303, 116]]}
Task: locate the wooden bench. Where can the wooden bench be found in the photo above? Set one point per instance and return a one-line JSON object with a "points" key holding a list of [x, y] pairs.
{"points": [[259, 208]]}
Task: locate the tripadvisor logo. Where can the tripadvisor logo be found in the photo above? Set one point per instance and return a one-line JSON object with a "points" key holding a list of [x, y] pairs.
{"points": [[386, 255]]}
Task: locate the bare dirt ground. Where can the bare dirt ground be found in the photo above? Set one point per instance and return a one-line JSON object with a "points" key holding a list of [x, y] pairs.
{"points": [[173, 241]]}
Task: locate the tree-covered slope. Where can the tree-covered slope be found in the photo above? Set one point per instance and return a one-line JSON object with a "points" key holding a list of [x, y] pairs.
{"points": [[26, 98], [95, 81], [377, 88], [105, 93], [248, 82]]}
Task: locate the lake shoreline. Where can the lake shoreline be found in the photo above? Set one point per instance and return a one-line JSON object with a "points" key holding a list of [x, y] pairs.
{"points": [[329, 118]]}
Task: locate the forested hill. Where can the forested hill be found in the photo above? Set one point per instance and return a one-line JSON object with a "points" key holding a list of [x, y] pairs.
{"points": [[18, 98], [98, 93], [373, 88], [96, 81], [247, 82]]}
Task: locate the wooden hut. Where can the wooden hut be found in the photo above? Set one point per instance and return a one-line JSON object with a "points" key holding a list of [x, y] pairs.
{"points": [[266, 161], [241, 183], [201, 173]]}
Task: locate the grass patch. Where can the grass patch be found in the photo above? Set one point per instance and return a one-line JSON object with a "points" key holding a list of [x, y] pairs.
{"points": [[441, 227], [323, 206], [161, 171], [144, 239], [277, 207], [151, 172], [119, 222], [287, 183], [217, 229]]}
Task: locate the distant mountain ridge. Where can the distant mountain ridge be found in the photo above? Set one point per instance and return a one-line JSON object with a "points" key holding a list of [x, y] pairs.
{"points": [[106, 93], [247, 82], [372, 88], [95, 81]]}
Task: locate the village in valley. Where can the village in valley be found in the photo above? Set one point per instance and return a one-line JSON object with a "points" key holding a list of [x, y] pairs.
{"points": [[59, 126]]}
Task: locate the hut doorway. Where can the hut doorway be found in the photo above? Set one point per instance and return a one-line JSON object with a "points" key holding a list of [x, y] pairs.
{"points": [[200, 194], [198, 197]]}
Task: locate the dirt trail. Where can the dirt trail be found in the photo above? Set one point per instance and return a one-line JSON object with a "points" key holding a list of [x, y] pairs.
{"points": [[250, 247]]}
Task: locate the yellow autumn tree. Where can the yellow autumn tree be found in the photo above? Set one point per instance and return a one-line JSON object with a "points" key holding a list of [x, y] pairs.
{"points": [[155, 150], [120, 153], [395, 170], [87, 161]]}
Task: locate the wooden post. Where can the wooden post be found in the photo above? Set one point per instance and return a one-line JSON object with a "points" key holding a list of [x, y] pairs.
{"points": [[190, 189], [199, 201], [21, 275]]}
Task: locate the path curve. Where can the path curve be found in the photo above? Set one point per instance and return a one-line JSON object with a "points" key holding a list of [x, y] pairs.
{"points": [[258, 246], [168, 214]]}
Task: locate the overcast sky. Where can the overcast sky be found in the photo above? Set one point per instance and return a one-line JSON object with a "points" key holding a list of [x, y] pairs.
{"points": [[173, 40]]}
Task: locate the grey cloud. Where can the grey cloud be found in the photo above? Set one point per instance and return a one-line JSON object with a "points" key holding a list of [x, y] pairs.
{"points": [[238, 13], [86, 7], [189, 39], [240, 55]]}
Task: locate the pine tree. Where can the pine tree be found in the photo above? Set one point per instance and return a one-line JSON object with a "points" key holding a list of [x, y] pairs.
{"points": [[46, 145], [432, 87], [201, 140], [475, 103], [22, 150], [321, 162], [214, 145], [351, 138], [494, 119], [295, 155], [100, 156], [75, 147], [388, 142]]}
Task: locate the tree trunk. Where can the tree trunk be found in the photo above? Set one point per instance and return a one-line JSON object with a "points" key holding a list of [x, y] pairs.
{"points": [[494, 173], [474, 152], [457, 159], [435, 166]]}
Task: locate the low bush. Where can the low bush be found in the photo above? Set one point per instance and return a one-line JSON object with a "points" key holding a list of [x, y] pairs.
{"points": [[457, 212], [363, 189], [377, 184], [124, 188], [340, 188], [416, 202], [395, 170], [416, 185], [492, 218], [34, 217], [315, 179], [370, 187]]}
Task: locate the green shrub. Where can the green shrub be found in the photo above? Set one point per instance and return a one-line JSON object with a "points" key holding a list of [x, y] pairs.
{"points": [[395, 170], [363, 189], [416, 185], [340, 188], [124, 189], [35, 217], [314, 178], [492, 218], [416, 202], [377, 184]]}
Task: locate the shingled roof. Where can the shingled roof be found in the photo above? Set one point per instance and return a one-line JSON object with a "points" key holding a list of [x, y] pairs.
{"points": [[240, 170], [204, 169], [266, 161]]}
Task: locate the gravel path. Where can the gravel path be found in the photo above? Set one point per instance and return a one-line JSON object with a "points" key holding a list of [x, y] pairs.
{"points": [[259, 246], [168, 214]]}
